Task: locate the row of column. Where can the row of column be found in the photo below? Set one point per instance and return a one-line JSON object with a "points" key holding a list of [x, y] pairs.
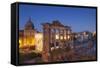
{"points": [[62, 34], [59, 35]]}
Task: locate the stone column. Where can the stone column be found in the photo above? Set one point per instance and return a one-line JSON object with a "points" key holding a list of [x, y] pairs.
{"points": [[50, 35], [59, 34], [46, 43], [54, 38], [67, 37], [63, 34]]}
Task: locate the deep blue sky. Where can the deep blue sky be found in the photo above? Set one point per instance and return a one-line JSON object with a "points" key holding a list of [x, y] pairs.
{"points": [[80, 19]]}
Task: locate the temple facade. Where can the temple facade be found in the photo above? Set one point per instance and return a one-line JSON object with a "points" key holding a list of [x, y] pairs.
{"points": [[56, 36]]}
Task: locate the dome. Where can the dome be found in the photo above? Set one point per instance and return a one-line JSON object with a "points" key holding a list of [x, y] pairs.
{"points": [[29, 25]]}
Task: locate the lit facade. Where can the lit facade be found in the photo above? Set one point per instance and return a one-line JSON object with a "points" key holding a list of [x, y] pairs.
{"points": [[29, 37]]}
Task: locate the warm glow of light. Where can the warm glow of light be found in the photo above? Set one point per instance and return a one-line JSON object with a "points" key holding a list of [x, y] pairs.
{"points": [[57, 36], [39, 41], [28, 42], [57, 46], [33, 41], [65, 37], [61, 37], [52, 48], [19, 43], [68, 37]]}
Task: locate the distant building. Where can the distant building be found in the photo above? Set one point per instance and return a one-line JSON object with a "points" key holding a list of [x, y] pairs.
{"points": [[81, 36]]}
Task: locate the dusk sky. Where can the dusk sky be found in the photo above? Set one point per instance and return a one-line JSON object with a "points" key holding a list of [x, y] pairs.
{"points": [[80, 19]]}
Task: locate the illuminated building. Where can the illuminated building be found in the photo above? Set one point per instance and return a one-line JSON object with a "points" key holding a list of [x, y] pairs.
{"points": [[55, 36], [29, 37]]}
